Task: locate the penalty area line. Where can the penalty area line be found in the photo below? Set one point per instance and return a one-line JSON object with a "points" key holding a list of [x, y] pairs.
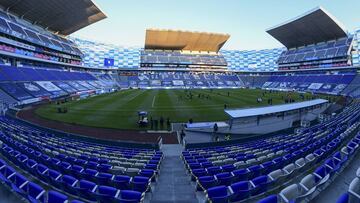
{"points": [[153, 102]]}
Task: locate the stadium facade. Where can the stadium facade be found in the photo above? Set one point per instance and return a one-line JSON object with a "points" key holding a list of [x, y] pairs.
{"points": [[126, 57]]}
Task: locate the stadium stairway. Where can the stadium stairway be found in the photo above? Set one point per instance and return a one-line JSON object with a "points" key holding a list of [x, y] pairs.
{"points": [[173, 184]]}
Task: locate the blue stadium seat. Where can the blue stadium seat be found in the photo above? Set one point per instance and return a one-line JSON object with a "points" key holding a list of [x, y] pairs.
{"points": [[206, 182], [267, 167], [198, 173], [106, 194], [129, 196], [85, 189], [104, 167], [103, 178], [224, 178], [34, 193], [76, 170], [228, 168], [140, 184], [206, 164], [261, 184], [269, 199], [5, 173], [321, 175], [122, 182], [56, 197], [64, 167], [52, 176], [90, 174], [241, 174], [344, 198], [18, 182], [254, 171], [333, 165], [150, 173], [67, 183], [41, 170], [218, 194], [241, 190], [213, 170]]}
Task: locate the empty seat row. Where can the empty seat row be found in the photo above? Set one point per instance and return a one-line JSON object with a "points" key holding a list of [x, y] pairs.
{"points": [[312, 184], [28, 189]]}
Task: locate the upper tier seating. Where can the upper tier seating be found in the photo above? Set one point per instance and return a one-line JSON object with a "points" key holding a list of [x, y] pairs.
{"points": [[322, 51], [14, 27], [176, 57]]}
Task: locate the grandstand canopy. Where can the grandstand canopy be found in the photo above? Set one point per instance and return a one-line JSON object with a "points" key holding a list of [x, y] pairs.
{"points": [[63, 16], [312, 27], [184, 40], [249, 112]]}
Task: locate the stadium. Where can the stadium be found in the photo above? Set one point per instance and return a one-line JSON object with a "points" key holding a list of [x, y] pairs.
{"points": [[181, 118]]}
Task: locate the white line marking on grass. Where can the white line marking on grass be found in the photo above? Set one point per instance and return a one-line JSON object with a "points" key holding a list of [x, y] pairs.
{"points": [[133, 97], [153, 102]]}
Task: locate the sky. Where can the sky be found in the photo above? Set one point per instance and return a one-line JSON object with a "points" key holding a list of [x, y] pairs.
{"points": [[245, 20]]}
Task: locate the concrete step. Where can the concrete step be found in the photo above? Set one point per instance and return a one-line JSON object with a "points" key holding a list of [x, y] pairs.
{"points": [[173, 184]]}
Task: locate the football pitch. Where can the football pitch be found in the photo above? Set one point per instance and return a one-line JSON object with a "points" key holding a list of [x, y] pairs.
{"points": [[120, 109]]}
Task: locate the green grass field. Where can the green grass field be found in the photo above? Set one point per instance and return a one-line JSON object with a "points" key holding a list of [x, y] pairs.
{"points": [[119, 110]]}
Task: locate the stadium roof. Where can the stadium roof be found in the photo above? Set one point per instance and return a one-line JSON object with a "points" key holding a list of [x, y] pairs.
{"points": [[312, 27], [242, 113], [184, 40], [63, 16]]}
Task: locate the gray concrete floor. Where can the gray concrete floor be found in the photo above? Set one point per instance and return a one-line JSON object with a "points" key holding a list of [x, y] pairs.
{"points": [[173, 184]]}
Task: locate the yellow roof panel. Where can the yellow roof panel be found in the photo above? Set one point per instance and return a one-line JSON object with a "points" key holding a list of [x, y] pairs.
{"points": [[184, 40]]}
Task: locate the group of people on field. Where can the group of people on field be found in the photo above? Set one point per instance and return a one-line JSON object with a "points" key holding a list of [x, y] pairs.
{"points": [[159, 124]]}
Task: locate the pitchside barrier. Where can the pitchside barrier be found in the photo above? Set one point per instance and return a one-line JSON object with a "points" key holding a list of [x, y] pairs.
{"points": [[129, 144]]}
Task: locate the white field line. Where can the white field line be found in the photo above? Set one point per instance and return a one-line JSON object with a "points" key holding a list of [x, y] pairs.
{"points": [[153, 102]]}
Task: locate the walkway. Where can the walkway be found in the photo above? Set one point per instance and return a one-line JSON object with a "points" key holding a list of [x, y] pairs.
{"points": [[341, 183], [173, 184]]}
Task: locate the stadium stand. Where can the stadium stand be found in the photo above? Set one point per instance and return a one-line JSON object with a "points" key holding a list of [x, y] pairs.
{"points": [[23, 40], [250, 170], [74, 167], [180, 80], [336, 82], [324, 43], [353, 89], [320, 83], [28, 85], [176, 57], [182, 50], [126, 57], [317, 56]]}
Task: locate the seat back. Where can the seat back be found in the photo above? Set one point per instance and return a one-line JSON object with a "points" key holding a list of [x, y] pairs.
{"points": [[290, 193], [56, 197]]}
